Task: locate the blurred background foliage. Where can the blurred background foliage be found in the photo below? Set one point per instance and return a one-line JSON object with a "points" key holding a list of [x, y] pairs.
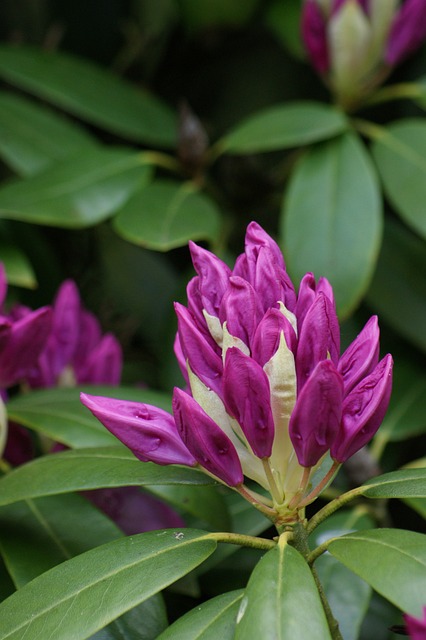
{"points": [[129, 127]]}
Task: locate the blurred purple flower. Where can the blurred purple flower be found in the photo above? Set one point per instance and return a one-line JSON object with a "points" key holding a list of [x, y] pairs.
{"points": [[22, 339], [354, 44], [269, 393], [416, 627]]}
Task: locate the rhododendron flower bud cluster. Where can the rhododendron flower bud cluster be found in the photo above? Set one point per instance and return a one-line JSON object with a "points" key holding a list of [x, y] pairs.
{"points": [[354, 44], [269, 398]]}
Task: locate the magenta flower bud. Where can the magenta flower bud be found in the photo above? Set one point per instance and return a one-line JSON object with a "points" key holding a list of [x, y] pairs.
{"points": [[361, 356], [308, 291], [214, 276], [314, 35], [209, 445], [199, 354], [268, 333], [25, 341], [247, 399], [319, 338], [65, 325], [416, 627], [407, 32], [150, 433], [240, 309], [315, 420], [363, 411], [103, 365]]}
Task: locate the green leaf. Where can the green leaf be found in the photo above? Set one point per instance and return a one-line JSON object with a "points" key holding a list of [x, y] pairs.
{"points": [[90, 92], [77, 192], [405, 483], [18, 269], [398, 289], [84, 469], [211, 620], [205, 503], [166, 215], [332, 218], [38, 534], [32, 137], [392, 561], [347, 595], [59, 414], [284, 126], [281, 600], [400, 154], [83, 594]]}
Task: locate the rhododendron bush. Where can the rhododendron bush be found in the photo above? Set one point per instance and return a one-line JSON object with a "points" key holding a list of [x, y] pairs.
{"points": [[212, 320]]}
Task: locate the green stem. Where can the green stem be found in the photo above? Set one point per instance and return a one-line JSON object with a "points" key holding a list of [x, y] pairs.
{"points": [[333, 506], [300, 541], [370, 130], [243, 540], [160, 160], [324, 482], [401, 91]]}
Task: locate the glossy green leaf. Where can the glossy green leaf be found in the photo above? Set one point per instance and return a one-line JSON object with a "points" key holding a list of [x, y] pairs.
{"points": [[347, 594], [90, 92], [332, 218], [32, 137], [392, 561], [211, 620], [205, 503], [84, 469], [166, 215], [77, 192], [83, 594], [398, 289], [405, 483], [281, 600], [283, 126], [400, 154], [38, 534], [59, 414], [18, 269]]}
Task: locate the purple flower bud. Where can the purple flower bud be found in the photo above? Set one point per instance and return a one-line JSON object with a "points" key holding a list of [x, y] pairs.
{"points": [[150, 433], [416, 627], [361, 356], [316, 417], [363, 411], [319, 338], [314, 35], [103, 365], [209, 445], [240, 309], [247, 399], [267, 337], [407, 32], [214, 276], [202, 359], [25, 341]]}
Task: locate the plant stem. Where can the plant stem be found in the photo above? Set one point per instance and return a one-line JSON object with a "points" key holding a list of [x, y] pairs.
{"points": [[332, 506], [160, 160], [403, 90], [243, 540], [324, 482]]}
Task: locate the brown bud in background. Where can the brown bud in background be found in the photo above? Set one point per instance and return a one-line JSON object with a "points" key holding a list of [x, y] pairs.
{"points": [[193, 141]]}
